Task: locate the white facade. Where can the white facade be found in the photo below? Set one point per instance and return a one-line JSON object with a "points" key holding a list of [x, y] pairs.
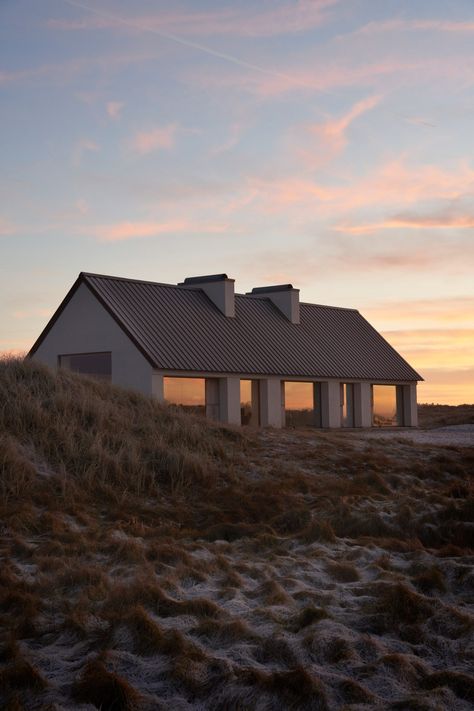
{"points": [[85, 326]]}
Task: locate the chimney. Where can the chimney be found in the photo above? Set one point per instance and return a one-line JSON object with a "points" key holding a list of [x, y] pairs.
{"points": [[218, 287], [285, 298]]}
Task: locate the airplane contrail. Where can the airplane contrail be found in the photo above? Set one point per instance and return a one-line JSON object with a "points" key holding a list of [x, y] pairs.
{"points": [[187, 43]]}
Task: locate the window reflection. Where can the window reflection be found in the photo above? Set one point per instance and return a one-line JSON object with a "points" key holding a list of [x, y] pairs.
{"points": [[299, 404], [245, 401], [95, 365], [347, 404], [187, 393], [384, 405]]}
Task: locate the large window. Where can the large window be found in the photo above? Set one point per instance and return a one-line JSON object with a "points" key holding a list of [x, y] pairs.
{"points": [[187, 393], [95, 365], [299, 404], [384, 405]]}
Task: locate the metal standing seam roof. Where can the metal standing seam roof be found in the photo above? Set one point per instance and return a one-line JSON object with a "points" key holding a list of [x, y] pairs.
{"points": [[180, 328]]}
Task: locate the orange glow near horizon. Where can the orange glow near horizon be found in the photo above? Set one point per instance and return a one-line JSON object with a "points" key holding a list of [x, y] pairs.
{"points": [[385, 404], [189, 392], [298, 396]]}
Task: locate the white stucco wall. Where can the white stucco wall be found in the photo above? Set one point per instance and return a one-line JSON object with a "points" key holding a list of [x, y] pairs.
{"points": [[86, 327]]}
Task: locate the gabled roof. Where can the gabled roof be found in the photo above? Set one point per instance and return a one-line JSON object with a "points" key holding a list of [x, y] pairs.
{"points": [[180, 328]]}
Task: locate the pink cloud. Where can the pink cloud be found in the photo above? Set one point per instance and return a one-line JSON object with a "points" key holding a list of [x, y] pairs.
{"points": [[159, 138], [437, 220], [401, 25], [331, 135], [64, 72], [121, 231], [284, 18]]}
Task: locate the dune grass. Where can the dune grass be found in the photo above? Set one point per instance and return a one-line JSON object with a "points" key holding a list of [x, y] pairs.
{"points": [[153, 560]]}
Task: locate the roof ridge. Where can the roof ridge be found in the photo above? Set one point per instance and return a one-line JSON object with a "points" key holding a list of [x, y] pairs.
{"points": [[136, 281], [327, 306]]}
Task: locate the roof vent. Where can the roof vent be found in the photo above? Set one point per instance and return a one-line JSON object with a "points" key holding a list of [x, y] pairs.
{"points": [[218, 288], [285, 298]]}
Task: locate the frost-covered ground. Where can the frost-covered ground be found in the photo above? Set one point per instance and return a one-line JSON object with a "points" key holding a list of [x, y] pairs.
{"points": [[335, 572], [450, 435]]}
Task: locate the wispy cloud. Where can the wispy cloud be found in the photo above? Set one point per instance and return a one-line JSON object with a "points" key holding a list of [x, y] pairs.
{"points": [[437, 220], [66, 71], [415, 25], [331, 135], [252, 21], [120, 231], [114, 109], [158, 138]]}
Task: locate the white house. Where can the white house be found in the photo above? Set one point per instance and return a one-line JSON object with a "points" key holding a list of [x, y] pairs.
{"points": [[262, 358]]}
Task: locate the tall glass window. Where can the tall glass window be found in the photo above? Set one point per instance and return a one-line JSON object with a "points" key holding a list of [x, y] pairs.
{"points": [[245, 401], [384, 405], [187, 393], [299, 404]]}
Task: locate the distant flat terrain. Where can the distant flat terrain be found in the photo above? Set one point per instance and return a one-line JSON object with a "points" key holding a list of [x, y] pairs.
{"points": [[443, 415]]}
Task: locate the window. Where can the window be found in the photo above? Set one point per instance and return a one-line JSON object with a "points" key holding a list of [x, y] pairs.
{"points": [[245, 401], [299, 404], [95, 365], [188, 393], [384, 398], [249, 402]]}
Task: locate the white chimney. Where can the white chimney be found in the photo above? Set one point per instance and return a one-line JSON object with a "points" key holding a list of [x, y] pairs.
{"points": [[285, 298], [218, 287]]}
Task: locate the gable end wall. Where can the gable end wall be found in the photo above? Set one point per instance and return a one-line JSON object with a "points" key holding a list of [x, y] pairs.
{"points": [[84, 326]]}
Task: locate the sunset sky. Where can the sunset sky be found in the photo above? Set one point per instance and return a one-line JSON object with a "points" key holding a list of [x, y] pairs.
{"points": [[325, 143]]}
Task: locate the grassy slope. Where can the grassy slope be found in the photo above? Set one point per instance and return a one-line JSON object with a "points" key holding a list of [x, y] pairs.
{"points": [[152, 560]]}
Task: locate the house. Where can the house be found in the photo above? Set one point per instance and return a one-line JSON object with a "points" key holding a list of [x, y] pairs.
{"points": [[263, 358]]}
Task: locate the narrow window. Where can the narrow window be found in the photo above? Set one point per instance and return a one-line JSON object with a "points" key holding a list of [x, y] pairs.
{"points": [[95, 365], [249, 402]]}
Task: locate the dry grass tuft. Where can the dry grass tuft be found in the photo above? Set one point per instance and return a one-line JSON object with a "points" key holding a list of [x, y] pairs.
{"points": [[343, 571], [430, 579], [461, 684], [20, 675], [354, 693], [308, 616], [105, 690], [319, 531], [401, 605]]}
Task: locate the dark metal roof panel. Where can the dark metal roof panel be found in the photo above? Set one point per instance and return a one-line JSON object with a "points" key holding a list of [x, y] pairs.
{"points": [[181, 329]]}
